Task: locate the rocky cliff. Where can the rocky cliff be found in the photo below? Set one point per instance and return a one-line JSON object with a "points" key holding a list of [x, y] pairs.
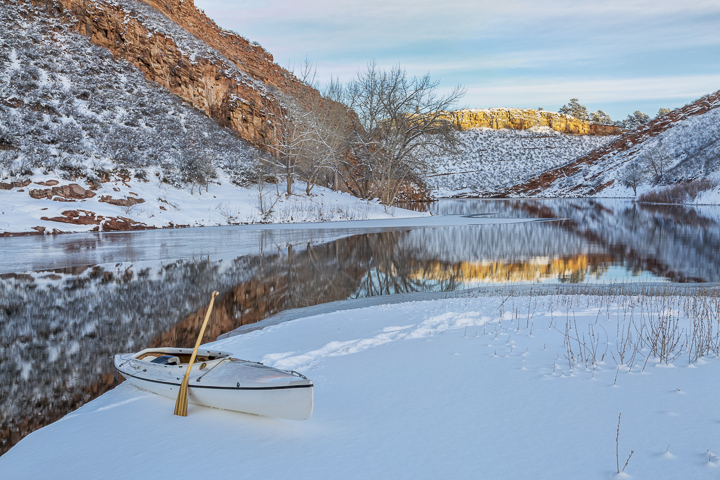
{"points": [[522, 119], [176, 46]]}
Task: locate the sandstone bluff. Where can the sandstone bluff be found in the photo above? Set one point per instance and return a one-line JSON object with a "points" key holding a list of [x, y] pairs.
{"points": [[522, 119]]}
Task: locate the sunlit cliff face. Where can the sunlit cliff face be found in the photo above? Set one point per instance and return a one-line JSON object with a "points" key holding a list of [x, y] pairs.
{"points": [[524, 118]]}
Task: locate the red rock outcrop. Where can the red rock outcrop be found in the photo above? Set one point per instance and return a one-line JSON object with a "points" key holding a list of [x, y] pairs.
{"points": [[104, 224], [122, 224], [72, 191], [121, 202], [11, 185], [245, 100], [524, 118], [76, 217]]}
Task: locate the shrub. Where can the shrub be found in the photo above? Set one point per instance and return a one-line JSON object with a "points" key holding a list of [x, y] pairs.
{"points": [[680, 193]]}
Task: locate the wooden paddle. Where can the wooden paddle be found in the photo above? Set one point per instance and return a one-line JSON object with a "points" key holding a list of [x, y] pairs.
{"points": [[182, 399]]}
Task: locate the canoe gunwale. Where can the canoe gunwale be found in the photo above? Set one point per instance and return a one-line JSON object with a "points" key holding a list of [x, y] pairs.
{"points": [[215, 387]]}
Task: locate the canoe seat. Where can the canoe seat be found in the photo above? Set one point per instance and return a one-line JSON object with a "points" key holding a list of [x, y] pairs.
{"points": [[166, 360]]}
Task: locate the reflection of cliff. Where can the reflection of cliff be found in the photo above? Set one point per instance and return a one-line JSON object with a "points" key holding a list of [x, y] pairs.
{"points": [[61, 328], [674, 242], [566, 269]]}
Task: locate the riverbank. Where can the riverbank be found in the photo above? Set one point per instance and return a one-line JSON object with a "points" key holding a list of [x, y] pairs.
{"points": [[44, 204], [507, 386]]}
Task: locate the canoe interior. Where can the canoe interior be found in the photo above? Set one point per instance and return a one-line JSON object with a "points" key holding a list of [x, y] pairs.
{"points": [[183, 354]]}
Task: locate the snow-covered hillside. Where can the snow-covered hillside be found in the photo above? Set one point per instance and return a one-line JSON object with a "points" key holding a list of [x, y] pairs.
{"points": [[87, 143], [685, 141], [492, 160], [69, 107], [137, 204]]}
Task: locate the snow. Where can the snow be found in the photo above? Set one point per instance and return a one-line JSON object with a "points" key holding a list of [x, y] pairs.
{"points": [[224, 203], [708, 197], [491, 160], [70, 108], [692, 145], [456, 388]]}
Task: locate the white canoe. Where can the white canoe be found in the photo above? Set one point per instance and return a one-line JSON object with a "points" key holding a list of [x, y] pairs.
{"points": [[220, 381]]}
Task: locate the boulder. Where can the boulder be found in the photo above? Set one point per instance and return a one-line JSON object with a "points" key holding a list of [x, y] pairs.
{"points": [[72, 191], [11, 185], [121, 202], [76, 217], [62, 193]]}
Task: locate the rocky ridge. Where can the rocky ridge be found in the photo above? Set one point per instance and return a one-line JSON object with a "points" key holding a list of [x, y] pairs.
{"points": [[695, 153], [524, 118], [178, 47]]}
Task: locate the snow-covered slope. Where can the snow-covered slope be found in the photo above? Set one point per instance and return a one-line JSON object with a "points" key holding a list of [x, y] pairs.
{"points": [[88, 143], [492, 160], [70, 107], [689, 139]]}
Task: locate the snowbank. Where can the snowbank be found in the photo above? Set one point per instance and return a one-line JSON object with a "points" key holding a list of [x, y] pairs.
{"points": [[457, 388], [163, 205]]}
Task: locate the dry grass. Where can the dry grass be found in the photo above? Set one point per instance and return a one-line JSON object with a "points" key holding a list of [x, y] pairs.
{"points": [[633, 323], [680, 193]]}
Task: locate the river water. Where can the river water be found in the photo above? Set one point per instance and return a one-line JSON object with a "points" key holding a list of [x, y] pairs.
{"points": [[68, 303]]}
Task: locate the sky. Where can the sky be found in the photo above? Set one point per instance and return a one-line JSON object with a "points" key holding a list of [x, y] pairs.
{"points": [[617, 56]]}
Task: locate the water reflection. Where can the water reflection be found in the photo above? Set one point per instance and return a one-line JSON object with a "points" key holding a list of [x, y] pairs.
{"points": [[61, 326]]}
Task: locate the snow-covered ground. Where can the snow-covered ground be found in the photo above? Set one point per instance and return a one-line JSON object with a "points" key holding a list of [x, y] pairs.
{"points": [[491, 160], [708, 197], [493, 387], [223, 203]]}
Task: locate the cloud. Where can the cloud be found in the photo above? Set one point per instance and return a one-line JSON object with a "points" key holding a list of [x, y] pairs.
{"points": [[530, 44]]}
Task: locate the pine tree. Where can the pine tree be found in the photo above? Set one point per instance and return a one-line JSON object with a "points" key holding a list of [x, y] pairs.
{"points": [[576, 110], [601, 117], [635, 120]]}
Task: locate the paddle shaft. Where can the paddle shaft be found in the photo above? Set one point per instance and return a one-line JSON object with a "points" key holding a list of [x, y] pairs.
{"points": [[182, 398]]}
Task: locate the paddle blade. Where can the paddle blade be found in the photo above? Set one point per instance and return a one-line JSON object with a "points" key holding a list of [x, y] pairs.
{"points": [[181, 403]]}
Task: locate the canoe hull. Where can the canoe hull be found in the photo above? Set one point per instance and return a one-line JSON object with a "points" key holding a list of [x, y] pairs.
{"points": [[292, 403], [220, 381]]}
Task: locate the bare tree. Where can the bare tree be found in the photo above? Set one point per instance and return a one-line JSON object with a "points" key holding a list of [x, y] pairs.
{"points": [[402, 122], [633, 176], [329, 129], [292, 136], [197, 163], [312, 135], [656, 161]]}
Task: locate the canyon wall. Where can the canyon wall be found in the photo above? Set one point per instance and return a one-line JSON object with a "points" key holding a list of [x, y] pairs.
{"points": [[522, 119], [178, 47]]}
